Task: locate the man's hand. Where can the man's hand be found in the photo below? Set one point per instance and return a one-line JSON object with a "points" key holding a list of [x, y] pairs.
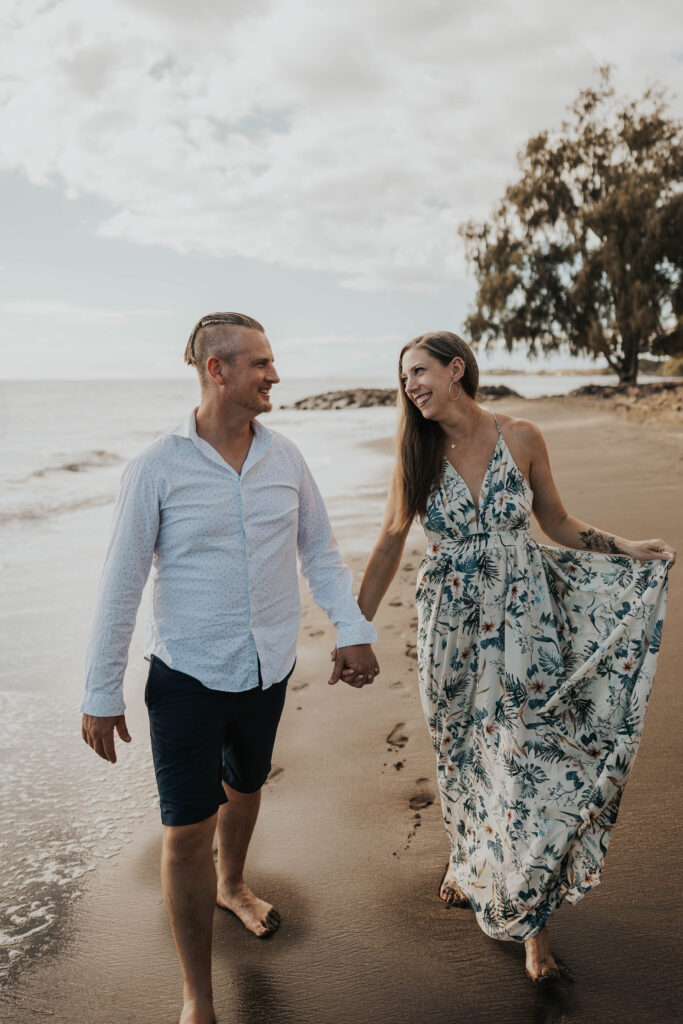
{"points": [[98, 733], [357, 665]]}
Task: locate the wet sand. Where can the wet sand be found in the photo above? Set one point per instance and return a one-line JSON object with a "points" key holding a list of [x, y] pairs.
{"points": [[350, 845]]}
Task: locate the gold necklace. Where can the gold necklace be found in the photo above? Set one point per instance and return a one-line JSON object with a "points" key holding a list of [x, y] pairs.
{"points": [[452, 444]]}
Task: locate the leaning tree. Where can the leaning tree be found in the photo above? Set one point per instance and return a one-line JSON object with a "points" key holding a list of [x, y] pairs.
{"points": [[586, 248]]}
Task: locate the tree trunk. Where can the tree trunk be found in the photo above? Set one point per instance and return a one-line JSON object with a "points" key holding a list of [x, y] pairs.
{"points": [[628, 368]]}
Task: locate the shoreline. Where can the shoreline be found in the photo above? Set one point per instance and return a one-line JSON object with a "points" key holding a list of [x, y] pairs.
{"points": [[353, 865]]}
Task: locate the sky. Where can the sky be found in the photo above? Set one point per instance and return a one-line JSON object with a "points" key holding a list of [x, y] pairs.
{"points": [[305, 163]]}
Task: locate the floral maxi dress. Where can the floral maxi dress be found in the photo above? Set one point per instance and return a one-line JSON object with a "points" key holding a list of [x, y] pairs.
{"points": [[535, 666]]}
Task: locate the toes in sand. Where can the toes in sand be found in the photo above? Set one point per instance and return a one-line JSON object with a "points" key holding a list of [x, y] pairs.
{"points": [[256, 915], [450, 892]]}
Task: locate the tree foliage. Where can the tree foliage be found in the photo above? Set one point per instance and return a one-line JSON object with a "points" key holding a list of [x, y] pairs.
{"points": [[586, 248]]}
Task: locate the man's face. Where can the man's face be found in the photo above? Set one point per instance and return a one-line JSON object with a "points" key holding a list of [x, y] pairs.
{"points": [[251, 375]]}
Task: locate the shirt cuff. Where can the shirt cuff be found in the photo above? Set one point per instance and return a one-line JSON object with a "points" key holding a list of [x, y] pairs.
{"points": [[103, 705], [362, 632]]}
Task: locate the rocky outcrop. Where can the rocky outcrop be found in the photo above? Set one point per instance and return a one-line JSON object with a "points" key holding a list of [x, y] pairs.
{"points": [[661, 401], [352, 398], [364, 398]]}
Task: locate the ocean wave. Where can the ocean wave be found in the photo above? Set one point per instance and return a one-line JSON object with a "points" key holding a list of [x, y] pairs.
{"points": [[39, 511], [91, 460]]}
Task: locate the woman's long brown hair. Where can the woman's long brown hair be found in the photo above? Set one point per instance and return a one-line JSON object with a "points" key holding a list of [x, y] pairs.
{"points": [[420, 441]]}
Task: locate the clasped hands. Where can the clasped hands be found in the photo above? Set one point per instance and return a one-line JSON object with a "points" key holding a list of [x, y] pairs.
{"points": [[355, 665]]}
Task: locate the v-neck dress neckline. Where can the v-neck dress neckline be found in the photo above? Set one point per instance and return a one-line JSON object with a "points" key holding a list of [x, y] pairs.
{"points": [[483, 492]]}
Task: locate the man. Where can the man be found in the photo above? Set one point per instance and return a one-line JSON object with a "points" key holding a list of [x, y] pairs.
{"points": [[220, 506]]}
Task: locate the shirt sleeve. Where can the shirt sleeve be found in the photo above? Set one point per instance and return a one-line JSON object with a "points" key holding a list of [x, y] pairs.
{"points": [[126, 568], [329, 579]]}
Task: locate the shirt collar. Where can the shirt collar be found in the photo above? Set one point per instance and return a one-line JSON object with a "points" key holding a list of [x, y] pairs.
{"points": [[259, 445]]}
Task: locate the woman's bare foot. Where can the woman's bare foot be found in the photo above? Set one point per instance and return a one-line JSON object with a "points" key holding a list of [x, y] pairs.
{"points": [[197, 1011], [256, 915], [541, 965], [450, 892]]}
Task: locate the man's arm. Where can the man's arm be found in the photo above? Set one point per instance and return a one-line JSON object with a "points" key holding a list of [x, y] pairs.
{"points": [[331, 584], [125, 572]]}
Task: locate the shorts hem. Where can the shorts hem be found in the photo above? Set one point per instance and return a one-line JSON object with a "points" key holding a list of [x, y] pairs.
{"points": [[244, 789], [181, 816]]}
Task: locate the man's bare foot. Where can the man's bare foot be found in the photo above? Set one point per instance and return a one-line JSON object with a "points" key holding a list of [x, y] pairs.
{"points": [[256, 915], [541, 965], [198, 1011], [451, 892]]}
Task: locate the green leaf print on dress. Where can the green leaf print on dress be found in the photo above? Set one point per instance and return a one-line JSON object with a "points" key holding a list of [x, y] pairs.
{"points": [[535, 665]]}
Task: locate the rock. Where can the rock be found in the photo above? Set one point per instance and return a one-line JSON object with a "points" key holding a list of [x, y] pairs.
{"points": [[632, 391], [365, 398], [658, 401], [353, 398], [489, 391]]}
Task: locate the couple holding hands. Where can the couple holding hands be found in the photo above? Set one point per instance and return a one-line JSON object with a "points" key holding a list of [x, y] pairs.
{"points": [[535, 663]]}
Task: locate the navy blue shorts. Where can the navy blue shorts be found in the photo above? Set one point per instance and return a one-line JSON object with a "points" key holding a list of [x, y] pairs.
{"points": [[202, 737]]}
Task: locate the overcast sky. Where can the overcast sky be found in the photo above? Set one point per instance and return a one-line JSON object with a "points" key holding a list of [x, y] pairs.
{"points": [[306, 163]]}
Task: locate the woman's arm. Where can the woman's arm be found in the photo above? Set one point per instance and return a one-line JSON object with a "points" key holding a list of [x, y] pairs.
{"points": [[567, 530], [384, 560]]}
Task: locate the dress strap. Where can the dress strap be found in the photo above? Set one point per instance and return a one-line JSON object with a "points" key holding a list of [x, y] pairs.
{"points": [[495, 420]]}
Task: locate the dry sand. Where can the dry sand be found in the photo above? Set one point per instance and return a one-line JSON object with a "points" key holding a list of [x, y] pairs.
{"points": [[351, 847]]}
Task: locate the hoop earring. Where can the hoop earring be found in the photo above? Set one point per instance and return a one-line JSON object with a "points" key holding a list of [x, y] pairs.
{"points": [[449, 391]]}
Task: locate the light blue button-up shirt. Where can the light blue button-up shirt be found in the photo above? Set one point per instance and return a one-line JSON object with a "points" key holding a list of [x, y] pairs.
{"points": [[223, 546]]}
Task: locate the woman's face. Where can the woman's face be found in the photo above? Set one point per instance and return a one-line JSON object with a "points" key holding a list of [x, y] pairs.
{"points": [[426, 381]]}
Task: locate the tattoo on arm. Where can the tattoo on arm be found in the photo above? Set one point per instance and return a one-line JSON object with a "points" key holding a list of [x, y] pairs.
{"points": [[596, 541]]}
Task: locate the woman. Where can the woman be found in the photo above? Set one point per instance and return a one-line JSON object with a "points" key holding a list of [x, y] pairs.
{"points": [[535, 663]]}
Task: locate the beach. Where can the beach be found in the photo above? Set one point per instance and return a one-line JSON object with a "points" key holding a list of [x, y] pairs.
{"points": [[350, 844]]}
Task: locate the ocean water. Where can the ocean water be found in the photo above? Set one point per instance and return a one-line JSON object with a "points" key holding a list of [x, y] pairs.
{"points": [[63, 444]]}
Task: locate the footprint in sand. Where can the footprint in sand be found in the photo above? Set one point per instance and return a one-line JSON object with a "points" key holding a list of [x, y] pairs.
{"points": [[398, 685], [411, 651], [396, 604], [424, 797], [274, 774], [316, 632], [397, 737], [299, 686]]}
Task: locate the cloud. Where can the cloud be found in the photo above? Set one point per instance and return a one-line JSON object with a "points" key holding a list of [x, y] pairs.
{"points": [[347, 138], [53, 340], [69, 314]]}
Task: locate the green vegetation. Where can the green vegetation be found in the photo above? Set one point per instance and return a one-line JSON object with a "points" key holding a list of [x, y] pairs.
{"points": [[672, 367], [586, 248]]}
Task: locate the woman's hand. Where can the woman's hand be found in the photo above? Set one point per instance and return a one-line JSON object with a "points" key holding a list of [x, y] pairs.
{"points": [[647, 550], [357, 665]]}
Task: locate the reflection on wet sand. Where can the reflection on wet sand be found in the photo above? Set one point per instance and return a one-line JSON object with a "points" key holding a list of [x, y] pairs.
{"points": [[558, 1004], [258, 997]]}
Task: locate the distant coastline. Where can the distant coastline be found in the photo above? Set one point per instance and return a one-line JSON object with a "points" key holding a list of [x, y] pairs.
{"points": [[660, 401]]}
